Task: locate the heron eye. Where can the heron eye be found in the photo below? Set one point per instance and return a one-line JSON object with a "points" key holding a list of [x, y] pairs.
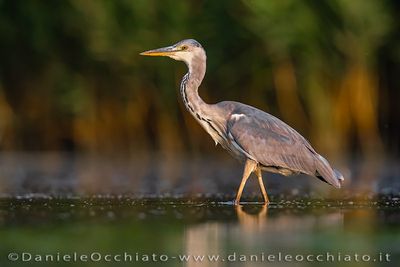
{"points": [[184, 47]]}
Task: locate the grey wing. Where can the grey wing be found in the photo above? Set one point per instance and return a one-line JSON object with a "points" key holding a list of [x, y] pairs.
{"points": [[273, 143]]}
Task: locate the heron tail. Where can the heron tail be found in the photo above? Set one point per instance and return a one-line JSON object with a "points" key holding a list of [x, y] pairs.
{"points": [[326, 173]]}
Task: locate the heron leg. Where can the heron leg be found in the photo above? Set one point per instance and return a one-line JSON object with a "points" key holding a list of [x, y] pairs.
{"points": [[249, 167], [261, 183]]}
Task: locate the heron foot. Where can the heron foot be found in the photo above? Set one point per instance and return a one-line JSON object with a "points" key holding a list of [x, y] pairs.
{"points": [[236, 202]]}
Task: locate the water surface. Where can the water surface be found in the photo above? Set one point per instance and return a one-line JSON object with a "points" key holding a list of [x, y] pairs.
{"points": [[211, 226]]}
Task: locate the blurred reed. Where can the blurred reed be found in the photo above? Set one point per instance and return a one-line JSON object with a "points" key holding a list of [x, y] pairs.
{"points": [[71, 78]]}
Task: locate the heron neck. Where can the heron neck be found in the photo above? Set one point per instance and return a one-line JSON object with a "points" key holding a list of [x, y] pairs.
{"points": [[190, 85]]}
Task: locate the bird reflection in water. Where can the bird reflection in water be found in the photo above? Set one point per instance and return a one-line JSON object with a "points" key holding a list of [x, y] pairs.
{"points": [[215, 238], [260, 229], [252, 220]]}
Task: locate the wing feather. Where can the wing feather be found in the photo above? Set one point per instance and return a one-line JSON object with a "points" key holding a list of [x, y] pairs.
{"points": [[273, 143]]}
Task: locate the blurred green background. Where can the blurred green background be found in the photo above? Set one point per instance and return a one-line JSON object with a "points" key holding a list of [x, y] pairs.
{"points": [[82, 114], [71, 78]]}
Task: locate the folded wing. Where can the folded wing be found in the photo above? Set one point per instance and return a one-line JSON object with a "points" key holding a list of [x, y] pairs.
{"points": [[273, 143]]}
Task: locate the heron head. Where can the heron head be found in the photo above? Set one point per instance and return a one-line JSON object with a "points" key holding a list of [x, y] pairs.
{"points": [[184, 50]]}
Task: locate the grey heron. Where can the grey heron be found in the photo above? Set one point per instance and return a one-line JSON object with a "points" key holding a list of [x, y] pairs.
{"points": [[260, 140]]}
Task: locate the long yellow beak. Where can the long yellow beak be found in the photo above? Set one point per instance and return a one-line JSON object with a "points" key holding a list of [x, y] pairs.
{"points": [[159, 52]]}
